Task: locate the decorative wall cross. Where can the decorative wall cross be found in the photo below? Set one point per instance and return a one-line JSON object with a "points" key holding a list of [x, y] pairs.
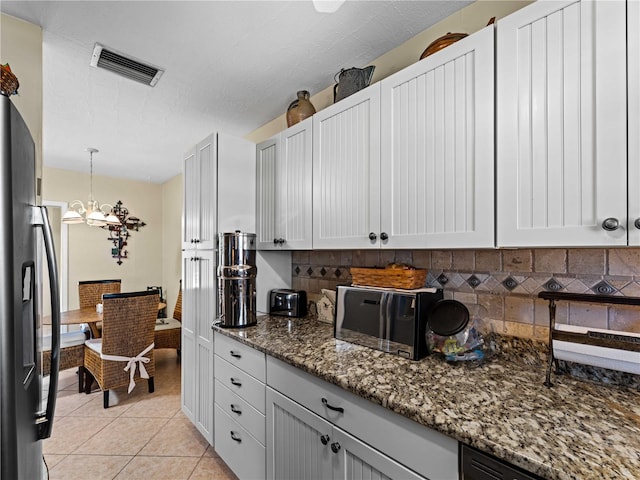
{"points": [[119, 234]]}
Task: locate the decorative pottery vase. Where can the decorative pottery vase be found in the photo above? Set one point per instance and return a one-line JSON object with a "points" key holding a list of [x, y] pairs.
{"points": [[300, 109]]}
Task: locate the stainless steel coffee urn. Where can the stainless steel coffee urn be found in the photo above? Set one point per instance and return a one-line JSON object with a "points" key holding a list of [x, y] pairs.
{"points": [[237, 279]]}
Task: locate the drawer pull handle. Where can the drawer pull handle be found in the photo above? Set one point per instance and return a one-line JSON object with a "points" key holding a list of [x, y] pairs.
{"points": [[235, 409], [335, 447], [234, 354], [324, 439], [325, 402], [235, 437], [235, 382]]}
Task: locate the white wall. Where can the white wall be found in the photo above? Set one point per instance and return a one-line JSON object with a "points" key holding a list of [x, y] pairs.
{"points": [[21, 48], [171, 239]]}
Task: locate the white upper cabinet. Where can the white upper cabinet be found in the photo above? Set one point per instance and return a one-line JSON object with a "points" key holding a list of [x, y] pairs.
{"points": [[561, 125], [346, 172], [266, 179], [437, 143], [633, 56], [200, 214], [284, 172]]}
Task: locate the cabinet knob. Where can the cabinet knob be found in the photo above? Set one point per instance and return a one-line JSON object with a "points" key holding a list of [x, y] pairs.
{"points": [[384, 236], [611, 224], [324, 439], [373, 237], [235, 382], [235, 409], [275, 241], [637, 223], [335, 447], [281, 241], [235, 437], [234, 354]]}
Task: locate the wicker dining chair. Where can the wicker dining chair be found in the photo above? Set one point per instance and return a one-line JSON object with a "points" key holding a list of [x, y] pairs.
{"points": [[128, 322], [90, 293], [168, 331], [71, 354]]}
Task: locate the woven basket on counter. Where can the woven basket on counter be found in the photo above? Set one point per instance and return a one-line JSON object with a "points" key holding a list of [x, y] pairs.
{"points": [[389, 277], [8, 81]]}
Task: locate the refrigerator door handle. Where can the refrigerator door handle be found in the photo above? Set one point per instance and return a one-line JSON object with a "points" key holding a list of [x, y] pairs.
{"points": [[45, 423]]}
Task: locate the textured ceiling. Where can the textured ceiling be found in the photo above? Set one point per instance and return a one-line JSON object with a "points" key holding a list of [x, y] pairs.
{"points": [[230, 66]]}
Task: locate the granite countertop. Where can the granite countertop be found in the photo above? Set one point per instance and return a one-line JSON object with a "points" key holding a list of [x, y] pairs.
{"points": [[574, 430]]}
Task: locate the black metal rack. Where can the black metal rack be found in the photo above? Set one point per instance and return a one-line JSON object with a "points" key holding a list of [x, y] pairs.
{"points": [[600, 339]]}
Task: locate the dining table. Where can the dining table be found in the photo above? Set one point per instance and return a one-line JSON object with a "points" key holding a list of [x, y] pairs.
{"points": [[89, 315]]}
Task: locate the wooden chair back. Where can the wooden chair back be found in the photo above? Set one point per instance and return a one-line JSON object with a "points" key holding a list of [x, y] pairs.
{"points": [[177, 311], [91, 291], [128, 322]]}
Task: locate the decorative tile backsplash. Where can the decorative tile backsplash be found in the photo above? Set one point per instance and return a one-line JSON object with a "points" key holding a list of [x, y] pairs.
{"points": [[505, 282]]}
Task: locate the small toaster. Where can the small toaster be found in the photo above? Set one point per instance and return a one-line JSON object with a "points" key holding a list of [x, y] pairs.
{"points": [[288, 303]]}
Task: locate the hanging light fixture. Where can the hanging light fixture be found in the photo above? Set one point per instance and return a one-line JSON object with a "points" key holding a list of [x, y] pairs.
{"points": [[94, 214]]}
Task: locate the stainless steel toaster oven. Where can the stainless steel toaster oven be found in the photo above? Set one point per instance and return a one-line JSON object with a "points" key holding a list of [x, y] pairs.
{"points": [[389, 320]]}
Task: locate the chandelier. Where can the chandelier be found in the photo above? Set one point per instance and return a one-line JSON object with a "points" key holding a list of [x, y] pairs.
{"points": [[93, 213]]}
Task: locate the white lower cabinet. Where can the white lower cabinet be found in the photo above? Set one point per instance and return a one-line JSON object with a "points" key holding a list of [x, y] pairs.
{"points": [[238, 448], [239, 407], [300, 427], [301, 445], [198, 308], [363, 440]]}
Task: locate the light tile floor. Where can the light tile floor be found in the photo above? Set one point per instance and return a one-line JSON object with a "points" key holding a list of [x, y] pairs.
{"points": [[140, 436]]}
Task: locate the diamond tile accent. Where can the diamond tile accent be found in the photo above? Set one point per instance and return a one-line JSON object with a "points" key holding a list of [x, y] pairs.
{"points": [[509, 283], [456, 280], [576, 286], [338, 273], [473, 281], [309, 271], [603, 288], [297, 270], [442, 279], [323, 272], [552, 285]]}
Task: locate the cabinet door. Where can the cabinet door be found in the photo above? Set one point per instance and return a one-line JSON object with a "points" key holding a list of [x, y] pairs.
{"points": [[208, 181], [191, 201], [561, 124], [295, 436], [633, 91], [200, 212], [438, 149], [295, 187], [189, 326], [359, 461], [204, 271], [266, 175], [346, 172]]}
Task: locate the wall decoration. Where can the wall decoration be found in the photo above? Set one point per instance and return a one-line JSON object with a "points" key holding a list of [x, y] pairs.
{"points": [[119, 234]]}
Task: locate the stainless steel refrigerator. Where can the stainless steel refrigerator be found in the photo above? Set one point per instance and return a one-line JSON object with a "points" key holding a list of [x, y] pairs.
{"points": [[26, 415]]}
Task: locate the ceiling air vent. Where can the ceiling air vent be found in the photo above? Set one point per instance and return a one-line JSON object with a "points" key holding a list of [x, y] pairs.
{"points": [[126, 66]]}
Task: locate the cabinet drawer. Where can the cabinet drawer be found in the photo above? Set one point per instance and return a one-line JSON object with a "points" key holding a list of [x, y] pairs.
{"points": [[243, 413], [240, 451], [242, 356], [424, 450], [241, 383]]}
